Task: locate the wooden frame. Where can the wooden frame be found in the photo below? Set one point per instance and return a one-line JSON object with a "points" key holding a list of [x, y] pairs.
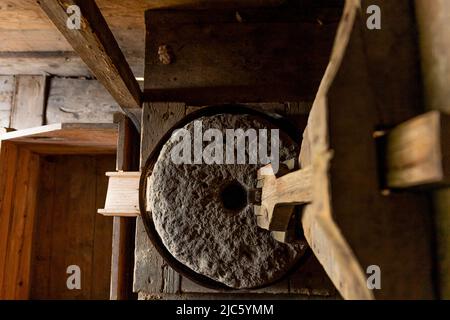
{"points": [[20, 153]]}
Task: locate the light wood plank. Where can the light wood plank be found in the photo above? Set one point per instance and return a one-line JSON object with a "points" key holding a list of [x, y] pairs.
{"points": [[123, 195]]}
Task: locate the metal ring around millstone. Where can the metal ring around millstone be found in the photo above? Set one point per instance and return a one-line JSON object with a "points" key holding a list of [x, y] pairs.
{"points": [[187, 268]]}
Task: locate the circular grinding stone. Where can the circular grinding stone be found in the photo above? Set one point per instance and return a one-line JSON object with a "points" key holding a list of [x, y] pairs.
{"points": [[202, 217]]}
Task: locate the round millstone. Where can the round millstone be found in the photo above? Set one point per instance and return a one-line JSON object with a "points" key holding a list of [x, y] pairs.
{"points": [[201, 213]]}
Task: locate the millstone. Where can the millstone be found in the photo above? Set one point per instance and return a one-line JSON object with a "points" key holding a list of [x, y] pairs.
{"points": [[202, 217]]}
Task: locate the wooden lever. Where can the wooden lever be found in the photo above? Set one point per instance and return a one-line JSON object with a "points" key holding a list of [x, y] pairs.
{"points": [[279, 196]]}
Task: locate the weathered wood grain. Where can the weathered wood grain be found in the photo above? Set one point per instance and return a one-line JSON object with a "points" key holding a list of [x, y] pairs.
{"points": [[434, 41], [68, 138], [103, 234], [217, 59], [96, 45], [7, 88], [19, 173], [151, 273], [122, 199], [79, 100], [29, 102]]}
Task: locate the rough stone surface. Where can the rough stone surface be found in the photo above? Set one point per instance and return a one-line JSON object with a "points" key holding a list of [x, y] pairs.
{"points": [[199, 231]]}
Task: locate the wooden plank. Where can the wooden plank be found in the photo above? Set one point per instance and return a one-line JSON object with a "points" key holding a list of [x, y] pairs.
{"points": [[42, 252], [58, 63], [25, 266], [103, 231], [417, 152], [70, 138], [122, 264], [217, 59], [434, 42], [29, 102], [17, 264], [74, 216], [124, 230], [79, 100], [7, 88], [96, 45], [67, 228], [151, 273], [9, 161], [122, 199]]}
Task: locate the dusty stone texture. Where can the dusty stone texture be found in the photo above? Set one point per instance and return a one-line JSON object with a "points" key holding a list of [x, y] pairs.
{"points": [[194, 225]]}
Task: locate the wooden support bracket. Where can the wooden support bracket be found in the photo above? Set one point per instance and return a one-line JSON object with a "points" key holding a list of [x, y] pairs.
{"points": [[279, 196], [122, 199], [418, 152]]}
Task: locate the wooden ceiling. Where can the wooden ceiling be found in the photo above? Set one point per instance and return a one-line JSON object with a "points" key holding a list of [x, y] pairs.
{"points": [[31, 44]]}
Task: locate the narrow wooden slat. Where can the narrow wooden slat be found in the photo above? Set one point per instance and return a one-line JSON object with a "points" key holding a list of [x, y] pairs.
{"points": [[95, 44], [103, 231], [42, 252], [23, 290], [7, 88], [9, 160], [123, 194], [18, 254]]}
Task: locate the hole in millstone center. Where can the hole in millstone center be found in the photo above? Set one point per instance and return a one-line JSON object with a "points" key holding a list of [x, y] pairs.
{"points": [[234, 196]]}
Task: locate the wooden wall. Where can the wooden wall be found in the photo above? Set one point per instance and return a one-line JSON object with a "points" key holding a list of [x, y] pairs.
{"points": [[18, 176], [31, 44], [53, 224], [68, 231], [30, 101]]}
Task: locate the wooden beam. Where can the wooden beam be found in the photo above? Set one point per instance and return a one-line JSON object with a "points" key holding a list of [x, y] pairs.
{"points": [[417, 152], [58, 63], [216, 59], [122, 199], [67, 138], [95, 44], [124, 229]]}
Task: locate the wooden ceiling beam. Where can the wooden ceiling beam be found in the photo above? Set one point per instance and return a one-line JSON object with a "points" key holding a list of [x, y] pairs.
{"points": [[97, 47]]}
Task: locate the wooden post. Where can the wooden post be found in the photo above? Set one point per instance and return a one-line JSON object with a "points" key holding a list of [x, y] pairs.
{"points": [[124, 229], [434, 38]]}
